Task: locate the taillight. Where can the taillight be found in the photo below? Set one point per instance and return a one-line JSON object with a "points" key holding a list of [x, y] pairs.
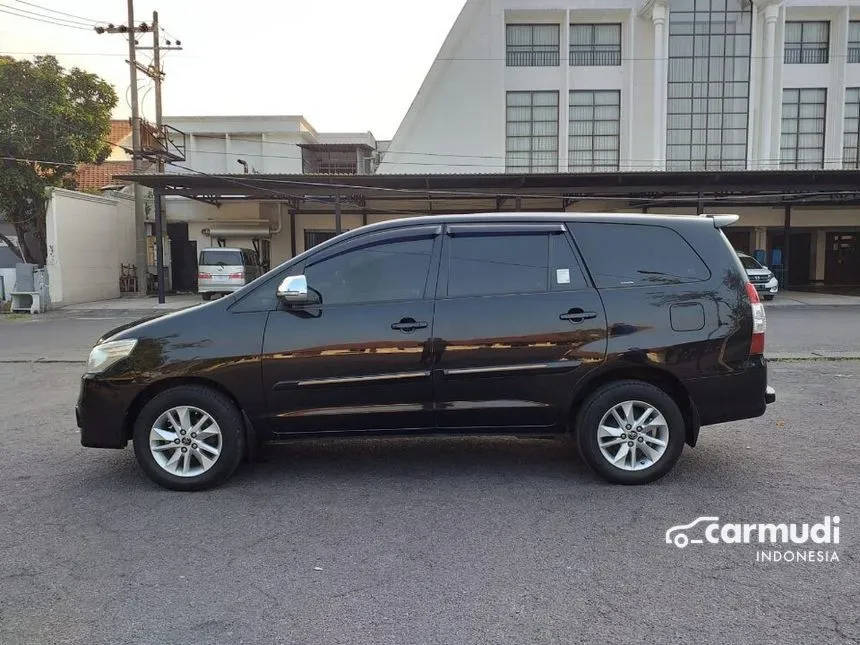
{"points": [[204, 276], [759, 321], [237, 276]]}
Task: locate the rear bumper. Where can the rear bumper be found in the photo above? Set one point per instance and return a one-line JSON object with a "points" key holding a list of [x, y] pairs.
{"points": [[101, 411], [744, 395], [219, 287]]}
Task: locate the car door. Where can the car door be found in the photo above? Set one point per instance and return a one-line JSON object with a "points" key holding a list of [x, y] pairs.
{"points": [[359, 360], [516, 325]]}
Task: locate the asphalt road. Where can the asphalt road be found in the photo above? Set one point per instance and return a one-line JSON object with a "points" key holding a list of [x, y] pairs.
{"points": [[798, 330], [425, 541]]}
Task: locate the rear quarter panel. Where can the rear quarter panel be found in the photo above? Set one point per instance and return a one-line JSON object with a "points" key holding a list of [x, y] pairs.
{"points": [[639, 325]]}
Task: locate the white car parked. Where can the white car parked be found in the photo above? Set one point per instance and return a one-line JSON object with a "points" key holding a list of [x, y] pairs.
{"points": [[761, 277]]}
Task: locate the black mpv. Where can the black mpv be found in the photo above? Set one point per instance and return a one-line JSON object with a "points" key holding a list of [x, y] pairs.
{"points": [[625, 332]]}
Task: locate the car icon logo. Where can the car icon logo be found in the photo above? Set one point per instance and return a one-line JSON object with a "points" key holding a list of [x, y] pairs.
{"points": [[677, 534]]}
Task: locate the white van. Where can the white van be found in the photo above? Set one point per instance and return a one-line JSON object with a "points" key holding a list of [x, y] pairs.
{"points": [[222, 270]]}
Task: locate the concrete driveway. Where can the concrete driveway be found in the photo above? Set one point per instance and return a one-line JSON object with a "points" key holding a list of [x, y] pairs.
{"points": [[470, 541]]}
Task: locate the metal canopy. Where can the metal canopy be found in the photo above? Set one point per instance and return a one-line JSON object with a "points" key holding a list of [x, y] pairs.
{"points": [[449, 192]]}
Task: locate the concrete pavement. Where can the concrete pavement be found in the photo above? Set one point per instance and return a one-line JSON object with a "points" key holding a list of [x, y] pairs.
{"points": [[430, 541]]}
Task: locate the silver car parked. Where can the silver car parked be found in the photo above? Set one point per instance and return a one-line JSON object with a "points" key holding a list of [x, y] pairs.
{"points": [[222, 270], [760, 276]]}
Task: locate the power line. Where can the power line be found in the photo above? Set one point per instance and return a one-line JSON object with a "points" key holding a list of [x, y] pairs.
{"points": [[62, 13], [42, 19], [39, 161], [58, 18], [60, 53]]}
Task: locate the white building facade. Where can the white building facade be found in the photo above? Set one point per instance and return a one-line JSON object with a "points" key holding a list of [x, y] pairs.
{"points": [[531, 86]]}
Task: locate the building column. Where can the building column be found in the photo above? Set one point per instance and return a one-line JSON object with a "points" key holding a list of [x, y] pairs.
{"points": [[766, 157], [564, 97], [659, 16], [760, 239]]}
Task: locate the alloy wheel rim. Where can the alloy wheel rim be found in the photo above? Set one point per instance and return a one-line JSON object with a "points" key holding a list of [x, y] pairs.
{"points": [[185, 441], [633, 435]]}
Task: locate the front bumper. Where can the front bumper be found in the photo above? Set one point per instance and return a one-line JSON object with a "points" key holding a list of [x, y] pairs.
{"points": [[770, 287], [101, 412]]}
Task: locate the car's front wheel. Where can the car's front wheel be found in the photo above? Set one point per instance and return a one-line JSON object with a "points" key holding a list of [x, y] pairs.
{"points": [[189, 438], [630, 432]]}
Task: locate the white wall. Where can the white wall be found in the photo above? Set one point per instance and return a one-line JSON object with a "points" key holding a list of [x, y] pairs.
{"points": [[88, 238]]}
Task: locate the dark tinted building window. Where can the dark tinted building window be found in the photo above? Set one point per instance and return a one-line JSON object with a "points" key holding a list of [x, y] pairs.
{"points": [[634, 255], [482, 265], [392, 271]]}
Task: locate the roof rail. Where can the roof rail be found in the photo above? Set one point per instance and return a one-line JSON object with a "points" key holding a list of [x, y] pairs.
{"points": [[721, 221]]}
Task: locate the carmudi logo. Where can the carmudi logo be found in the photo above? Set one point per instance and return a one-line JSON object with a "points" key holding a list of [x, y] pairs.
{"points": [[823, 536]]}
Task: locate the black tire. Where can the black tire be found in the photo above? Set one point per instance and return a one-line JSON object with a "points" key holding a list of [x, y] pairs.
{"points": [[206, 296], [769, 297], [600, 402], [216, 405]]}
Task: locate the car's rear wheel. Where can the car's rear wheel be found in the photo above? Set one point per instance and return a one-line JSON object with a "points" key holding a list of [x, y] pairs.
{"points": [[206, 296], [630, 432], [189, 438]]}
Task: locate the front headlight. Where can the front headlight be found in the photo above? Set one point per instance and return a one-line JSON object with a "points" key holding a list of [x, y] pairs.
{"points": [[104, 355]]}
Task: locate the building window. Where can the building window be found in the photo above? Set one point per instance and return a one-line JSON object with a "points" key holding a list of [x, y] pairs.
{"points": [[708, 85], [803, 121], [532, 132], [532, 45], [807, 42], [595, 45], [594, 141], [314, 237], [851, 138], [854, 41]]}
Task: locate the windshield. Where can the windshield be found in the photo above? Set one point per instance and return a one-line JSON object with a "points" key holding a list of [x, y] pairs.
{"points": [[220, 258], [750, 263]]}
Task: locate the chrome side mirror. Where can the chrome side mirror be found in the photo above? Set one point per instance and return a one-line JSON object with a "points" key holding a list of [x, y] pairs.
{"points": [[293, 290]]}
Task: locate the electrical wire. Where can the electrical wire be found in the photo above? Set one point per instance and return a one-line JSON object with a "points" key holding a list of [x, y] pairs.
{"points": [[39, 161], [424, 193], [62, 13], [41, 15], [43, 20]]}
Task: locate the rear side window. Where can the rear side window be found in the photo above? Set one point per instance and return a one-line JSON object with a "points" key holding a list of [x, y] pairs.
{"points": [[481, 265], [485, 264], [221, 258], [637, 255]]}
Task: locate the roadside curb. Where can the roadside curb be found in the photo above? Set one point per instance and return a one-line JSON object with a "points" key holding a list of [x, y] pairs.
{"points": [[813, 356]]}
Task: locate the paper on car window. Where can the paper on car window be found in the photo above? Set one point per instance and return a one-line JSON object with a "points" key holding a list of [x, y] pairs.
{"points": [[562, 276]]}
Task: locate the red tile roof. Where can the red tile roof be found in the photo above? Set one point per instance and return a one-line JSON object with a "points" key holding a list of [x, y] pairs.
{"points": [[119, 130], [91, 176], [94, 177]]}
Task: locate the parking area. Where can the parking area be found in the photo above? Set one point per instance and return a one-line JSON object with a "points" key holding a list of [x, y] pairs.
{"points": [[425, 541]]}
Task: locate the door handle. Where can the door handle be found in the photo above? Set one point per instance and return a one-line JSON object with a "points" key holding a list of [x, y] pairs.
{"points": [[577, 315], [407, 325]]}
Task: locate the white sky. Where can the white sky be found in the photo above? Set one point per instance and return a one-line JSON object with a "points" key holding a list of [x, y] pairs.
{"points": [[346, 65]]}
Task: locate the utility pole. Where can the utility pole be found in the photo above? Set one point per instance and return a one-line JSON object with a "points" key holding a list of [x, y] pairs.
{"points": [[155, 72], [159, 210], [139, 211]]}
